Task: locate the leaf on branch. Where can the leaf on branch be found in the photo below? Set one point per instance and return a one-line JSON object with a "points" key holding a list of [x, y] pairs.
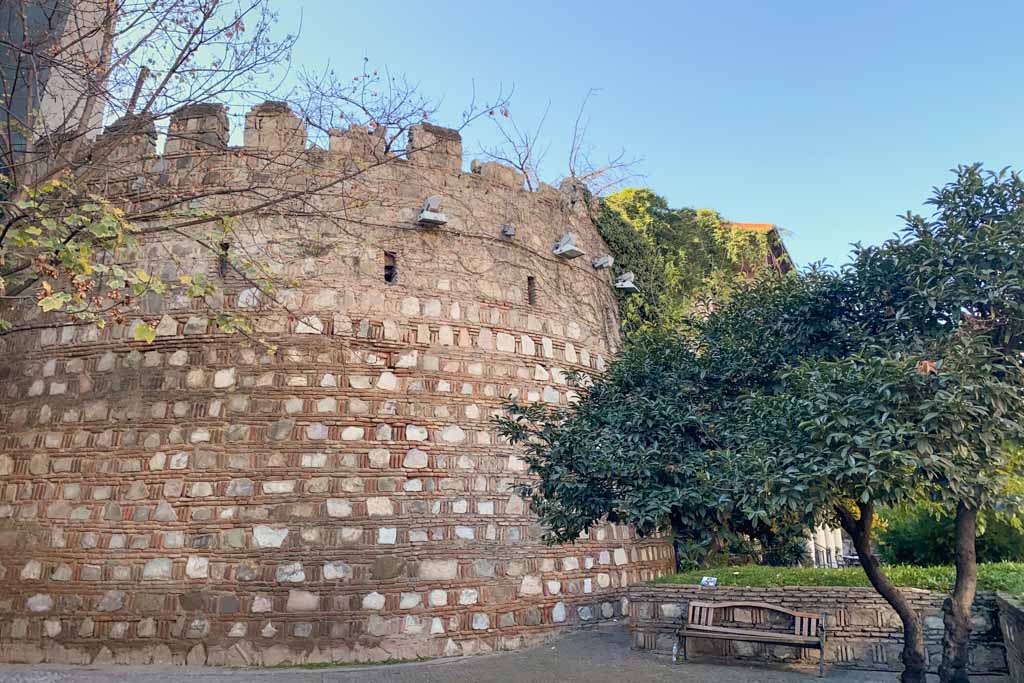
{"points": [[54, 302], [144, 332]]}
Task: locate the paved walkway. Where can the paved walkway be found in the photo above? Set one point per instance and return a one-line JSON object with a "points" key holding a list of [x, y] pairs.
{"points": [[599, 655]]}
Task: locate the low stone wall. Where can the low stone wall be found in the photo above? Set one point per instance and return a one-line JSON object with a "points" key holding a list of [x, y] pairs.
{"points": [[1011, 623], [863, 631]]}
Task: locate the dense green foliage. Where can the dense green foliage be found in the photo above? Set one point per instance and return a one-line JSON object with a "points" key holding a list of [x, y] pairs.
{"points": [[997, 576], [649, 442], [883, 427], [686, 260], [918, 535], [634, 253], [929, 397]]}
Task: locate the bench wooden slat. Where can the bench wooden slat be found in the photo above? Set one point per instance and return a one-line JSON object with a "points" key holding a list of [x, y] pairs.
{"points": [[701, 613], [806, 626], [761, 605], [751, 636]]}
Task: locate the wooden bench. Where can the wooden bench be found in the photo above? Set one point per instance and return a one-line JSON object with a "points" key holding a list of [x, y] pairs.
{"points": [[808, 629]]}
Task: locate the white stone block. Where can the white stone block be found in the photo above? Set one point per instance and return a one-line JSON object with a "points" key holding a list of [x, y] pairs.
{"points": [[316, 431], [359, 381], [197, 567], [379, 458], [415, 459], [337, 507], [225, 378], [409, 600], [410, 306], [379, 506], [268, 536], [309, 325], [373, 600], [415, 433], [290, 572], [39, 603], [506, 342], [157, 568], [453, 434], [531, 585], [438, 569], [272, 487], [558, 613], [302, 601], [352, 433]]}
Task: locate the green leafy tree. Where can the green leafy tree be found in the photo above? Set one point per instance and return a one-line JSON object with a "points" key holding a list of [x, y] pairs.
{"points": [[877, 429], [934, 320], [639, 448], [648, 442], [957, 276]]}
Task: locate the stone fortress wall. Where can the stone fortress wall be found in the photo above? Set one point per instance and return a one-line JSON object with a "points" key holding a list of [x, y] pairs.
{"points": [[345, 498]]}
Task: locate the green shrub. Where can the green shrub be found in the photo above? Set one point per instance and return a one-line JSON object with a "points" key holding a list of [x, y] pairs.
{"points": [[1007, 577], [785, 550], [919, 537]]}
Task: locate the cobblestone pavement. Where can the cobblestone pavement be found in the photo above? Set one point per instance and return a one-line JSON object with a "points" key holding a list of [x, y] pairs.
{"points": [[599, 655]]}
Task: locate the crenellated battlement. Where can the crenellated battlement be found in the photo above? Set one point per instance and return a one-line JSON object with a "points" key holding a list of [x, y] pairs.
{"points": [[198, 127], [275, 135], [274, 127]]}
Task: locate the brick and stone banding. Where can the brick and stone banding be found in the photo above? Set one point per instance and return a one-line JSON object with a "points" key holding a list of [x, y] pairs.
{"points": [[199, 499]]}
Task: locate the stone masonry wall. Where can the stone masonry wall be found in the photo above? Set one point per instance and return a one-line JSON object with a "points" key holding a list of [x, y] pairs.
{"points": [[346, 498], [1011, 624], [862, 630]]}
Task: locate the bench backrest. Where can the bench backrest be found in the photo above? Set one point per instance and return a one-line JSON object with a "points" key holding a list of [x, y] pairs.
{"points": [[702, 614]]}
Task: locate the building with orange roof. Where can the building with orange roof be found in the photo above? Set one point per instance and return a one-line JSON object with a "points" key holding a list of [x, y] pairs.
{"points": [[778, 256]]}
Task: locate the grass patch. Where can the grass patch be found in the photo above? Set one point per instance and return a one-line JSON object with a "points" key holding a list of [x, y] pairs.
{"points": [[1007, 577]]}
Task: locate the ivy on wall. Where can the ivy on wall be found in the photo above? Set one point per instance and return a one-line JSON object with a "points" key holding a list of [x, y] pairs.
{"points": [[633, 252], [685, 260]]}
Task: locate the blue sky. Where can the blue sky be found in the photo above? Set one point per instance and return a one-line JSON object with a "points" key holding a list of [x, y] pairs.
{"points": [[828, 119]]}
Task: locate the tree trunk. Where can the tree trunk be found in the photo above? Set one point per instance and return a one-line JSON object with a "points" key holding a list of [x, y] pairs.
{"points": [[956, 610], [913, 631]]}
